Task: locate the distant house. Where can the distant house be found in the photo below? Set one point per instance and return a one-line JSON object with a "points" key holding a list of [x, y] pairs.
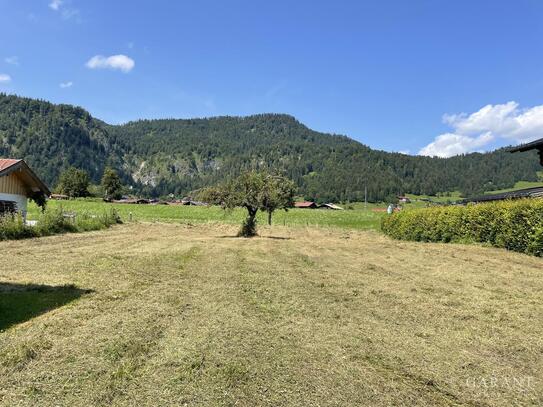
{"points": [[138, 201], [18, 183], [330, 206], [534, 145], [305, 205], [404, 199]]}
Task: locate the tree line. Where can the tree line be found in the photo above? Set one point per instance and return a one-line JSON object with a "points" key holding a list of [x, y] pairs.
{"points": [[159, 157]]}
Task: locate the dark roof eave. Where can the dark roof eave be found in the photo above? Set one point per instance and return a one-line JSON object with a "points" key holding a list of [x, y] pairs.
{"points": [[534, 145]]}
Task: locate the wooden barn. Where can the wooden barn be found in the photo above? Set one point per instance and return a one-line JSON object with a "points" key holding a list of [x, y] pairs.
{"points": [[18, 183]]}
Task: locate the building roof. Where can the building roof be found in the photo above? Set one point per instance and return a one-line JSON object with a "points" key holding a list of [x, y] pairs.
{"points": [[305, 204], [535, 192], [331, 206], [7, 162], [537, 144], [23, 171]]}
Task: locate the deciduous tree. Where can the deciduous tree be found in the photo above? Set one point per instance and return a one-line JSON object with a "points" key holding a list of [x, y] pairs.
{"points": [[254, 191], [74, 183]]}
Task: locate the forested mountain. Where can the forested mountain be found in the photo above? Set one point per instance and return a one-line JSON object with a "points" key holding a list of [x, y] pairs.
{"points": [[159, 157]]}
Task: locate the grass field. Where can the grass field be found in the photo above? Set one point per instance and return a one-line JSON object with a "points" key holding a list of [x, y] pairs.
{"points": [[358, 218], [155, 314]]}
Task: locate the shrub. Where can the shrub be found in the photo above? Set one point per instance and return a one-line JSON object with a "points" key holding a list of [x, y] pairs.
{"points": [[55, 222], [513, 225]]}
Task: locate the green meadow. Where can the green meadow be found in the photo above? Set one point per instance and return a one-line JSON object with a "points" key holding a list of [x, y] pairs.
{"points": [[360, 217]]}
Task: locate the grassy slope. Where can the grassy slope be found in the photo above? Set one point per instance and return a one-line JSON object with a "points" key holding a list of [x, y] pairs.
{"points": [[186, 315], [353, 219]]}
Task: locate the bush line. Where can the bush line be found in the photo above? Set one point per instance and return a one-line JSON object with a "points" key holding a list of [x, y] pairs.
{"points": [[55, 222], [513, 225]]}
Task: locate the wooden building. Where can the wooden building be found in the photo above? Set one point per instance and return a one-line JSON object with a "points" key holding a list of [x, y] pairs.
{"points": [[18, 183], [330, 206], [305, 205]]}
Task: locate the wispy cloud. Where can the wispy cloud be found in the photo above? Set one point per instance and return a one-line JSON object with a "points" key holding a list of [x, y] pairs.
{"points": [[62, 7], [475, 131], [4, 78], [55, 4], [65, 85], [12, 60], [118, 62]]}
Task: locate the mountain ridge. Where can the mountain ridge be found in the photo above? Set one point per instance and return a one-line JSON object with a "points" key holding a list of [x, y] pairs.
{"points": [[161, 156]]}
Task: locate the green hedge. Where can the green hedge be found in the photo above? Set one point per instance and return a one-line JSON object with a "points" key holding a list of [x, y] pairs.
{"points": [[513, 225], [55, 222]]}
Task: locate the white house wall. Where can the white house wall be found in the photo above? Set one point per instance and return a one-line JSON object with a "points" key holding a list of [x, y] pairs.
{"points": [[19, 199]]}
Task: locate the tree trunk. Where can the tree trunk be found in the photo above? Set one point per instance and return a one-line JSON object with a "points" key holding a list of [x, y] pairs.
{"points": [[270, 217], [248, 228]]}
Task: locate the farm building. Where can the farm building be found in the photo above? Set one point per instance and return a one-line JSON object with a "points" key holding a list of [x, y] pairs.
{"points": [[18, 183], [330, 206], [534, 145], [404, 199], [305, 205]]}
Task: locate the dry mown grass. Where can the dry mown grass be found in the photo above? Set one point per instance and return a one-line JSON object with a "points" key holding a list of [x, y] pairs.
{"points": [[179, 315]]}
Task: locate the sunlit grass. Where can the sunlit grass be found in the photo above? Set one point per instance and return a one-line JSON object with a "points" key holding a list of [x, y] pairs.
{"points": [[358, 218]]}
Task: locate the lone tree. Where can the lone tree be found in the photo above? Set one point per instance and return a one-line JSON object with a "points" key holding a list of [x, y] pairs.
{"points": [[111, 183], [74, 183], [253, 191]]}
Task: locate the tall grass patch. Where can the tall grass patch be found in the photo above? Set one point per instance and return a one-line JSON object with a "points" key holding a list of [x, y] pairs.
{"points": [[56, 221], [513, 225]]}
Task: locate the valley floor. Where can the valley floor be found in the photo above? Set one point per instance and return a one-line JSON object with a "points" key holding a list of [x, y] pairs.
{"points": [[170, 314]]}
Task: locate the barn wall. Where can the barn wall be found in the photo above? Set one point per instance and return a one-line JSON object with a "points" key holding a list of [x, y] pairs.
{"points": [[12, 189], [11, 184]]}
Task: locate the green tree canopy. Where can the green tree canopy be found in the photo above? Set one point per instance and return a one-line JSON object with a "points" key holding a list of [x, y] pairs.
{"points": [[254, 191], [111, 183], [74, 183]]}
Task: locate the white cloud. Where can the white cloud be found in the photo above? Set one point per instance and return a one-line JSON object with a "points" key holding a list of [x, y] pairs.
{"points": [[12, 60], [65, 85], [449, 144], [65, 11], [120, 62], [475, 131], [55, 4], [4, 78]]}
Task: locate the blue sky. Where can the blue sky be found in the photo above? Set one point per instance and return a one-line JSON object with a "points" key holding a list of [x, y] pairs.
{"points": [[382, 72]]}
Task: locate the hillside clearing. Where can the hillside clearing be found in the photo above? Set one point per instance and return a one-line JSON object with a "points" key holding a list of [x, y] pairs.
{"points": [[170, 314]]}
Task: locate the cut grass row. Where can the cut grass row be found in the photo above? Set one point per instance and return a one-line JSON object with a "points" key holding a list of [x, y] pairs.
{"points": [[171, 314]]}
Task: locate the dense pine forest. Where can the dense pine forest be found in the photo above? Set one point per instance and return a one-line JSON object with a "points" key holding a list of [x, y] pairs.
{"points": [[159, 157]]}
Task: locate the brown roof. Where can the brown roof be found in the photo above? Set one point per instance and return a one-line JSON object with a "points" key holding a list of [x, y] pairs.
{"points": [[7, 162], [31, 180], [305, 204]]}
